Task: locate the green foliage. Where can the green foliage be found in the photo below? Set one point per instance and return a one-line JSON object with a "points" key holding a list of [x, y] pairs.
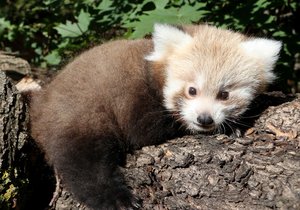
{"points": [[47, 32], [185, 14], [10, 187], [75, 29]]}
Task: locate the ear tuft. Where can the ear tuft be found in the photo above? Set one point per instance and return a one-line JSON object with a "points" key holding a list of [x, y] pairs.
{"points": [[264, 48], [167, 38], [266, 51]]}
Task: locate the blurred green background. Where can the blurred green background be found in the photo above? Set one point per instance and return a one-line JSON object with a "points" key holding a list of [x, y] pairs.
{"points": [[47, 33]]}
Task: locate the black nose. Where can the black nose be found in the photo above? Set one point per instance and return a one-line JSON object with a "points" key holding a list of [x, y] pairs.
{"points": [[205, 120]]}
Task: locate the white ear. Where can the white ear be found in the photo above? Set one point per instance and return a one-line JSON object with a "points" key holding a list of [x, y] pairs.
{"points": [[265, 50], [165, 39]]}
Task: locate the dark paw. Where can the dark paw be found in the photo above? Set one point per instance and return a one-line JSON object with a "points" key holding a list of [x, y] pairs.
{"points": [[128, 202], [118, 199]]}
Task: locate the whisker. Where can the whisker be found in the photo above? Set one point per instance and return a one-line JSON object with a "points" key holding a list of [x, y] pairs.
{"points": [[217, 130], [238, 122], [223, 129], [250, 116], [229, 125]]}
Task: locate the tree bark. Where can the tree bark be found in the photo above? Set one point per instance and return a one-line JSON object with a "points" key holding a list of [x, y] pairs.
{"points": [[13, 123], [26, 182], [15, 67], [259, 170]]}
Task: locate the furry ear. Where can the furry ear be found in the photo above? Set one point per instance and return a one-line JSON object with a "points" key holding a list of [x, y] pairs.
{"points": [[167, 38], [266, 51]]}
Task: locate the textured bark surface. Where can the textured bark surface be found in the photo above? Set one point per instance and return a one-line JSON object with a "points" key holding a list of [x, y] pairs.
{"points": [[26, 181], [14, 67], [13, 123], [260, 170]]}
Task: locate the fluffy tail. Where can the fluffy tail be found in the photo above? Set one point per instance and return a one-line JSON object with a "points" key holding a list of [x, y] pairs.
{"points": [[89, 170]]}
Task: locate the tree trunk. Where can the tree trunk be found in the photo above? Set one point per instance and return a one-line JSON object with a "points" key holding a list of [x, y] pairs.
{"points": [[25, 182], [260, 170], [13, 123]]}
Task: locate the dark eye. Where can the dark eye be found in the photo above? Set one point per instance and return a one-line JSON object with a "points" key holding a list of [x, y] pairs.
{"points": [[223, 95], [192, 91]]}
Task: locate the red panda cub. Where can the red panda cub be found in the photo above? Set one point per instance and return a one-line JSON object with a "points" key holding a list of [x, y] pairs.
{"points": [[123, 95]]}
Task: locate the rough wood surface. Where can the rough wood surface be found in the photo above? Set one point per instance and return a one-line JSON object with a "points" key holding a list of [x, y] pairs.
{"points": [[260, 170], [11, 63], [13, 123], [26, 182], [19, 72]]}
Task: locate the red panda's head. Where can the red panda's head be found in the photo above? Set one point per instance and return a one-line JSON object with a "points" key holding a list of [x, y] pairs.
{"points": [[211, 75]]}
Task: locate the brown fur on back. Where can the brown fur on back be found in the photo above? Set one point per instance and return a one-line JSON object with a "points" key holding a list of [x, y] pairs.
{"points": [[102, 104]]}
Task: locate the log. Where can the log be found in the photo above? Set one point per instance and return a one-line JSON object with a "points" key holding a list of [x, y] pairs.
{"points": [[13, 122], [26, 180], [13, 137], [14, 67], [259, 170]]}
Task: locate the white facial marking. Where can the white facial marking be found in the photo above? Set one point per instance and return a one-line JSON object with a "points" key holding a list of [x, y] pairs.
{"points": [[173, 87], [245, 93], [195, 107]]}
